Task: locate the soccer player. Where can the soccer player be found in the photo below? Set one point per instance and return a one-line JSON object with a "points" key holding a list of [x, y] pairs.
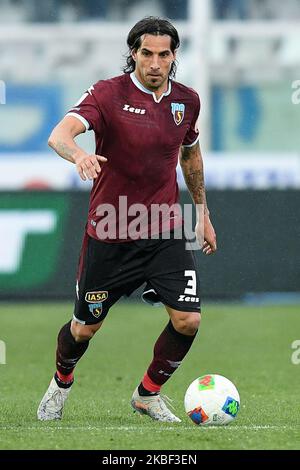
{"points": [[142, 121]]}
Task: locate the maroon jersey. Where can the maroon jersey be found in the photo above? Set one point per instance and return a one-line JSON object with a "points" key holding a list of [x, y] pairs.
{"points": [[141, 138]]}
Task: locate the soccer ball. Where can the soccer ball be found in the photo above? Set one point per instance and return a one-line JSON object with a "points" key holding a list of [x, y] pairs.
{"points": [[212, 400]]}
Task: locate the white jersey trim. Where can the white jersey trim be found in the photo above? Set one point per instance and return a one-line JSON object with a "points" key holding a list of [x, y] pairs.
{"points": [[81, 118], [194, 143], [141, 87]]}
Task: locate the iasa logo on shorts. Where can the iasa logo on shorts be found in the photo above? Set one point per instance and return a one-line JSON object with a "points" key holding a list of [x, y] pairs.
{"points": [[96, 309], [96, 296], [178, 112]]}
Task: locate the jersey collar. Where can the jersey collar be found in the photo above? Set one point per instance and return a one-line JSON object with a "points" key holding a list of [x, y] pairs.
{"points": [[141, 87]]}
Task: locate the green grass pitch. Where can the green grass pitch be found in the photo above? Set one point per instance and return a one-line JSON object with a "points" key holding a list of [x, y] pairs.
{"points": [[250, 345]]}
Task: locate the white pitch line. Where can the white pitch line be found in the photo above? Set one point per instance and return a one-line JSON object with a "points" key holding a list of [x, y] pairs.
{"points": [[152, 429]]}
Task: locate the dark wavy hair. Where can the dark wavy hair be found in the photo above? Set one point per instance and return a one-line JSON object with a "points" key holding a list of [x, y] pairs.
{"points": [[150, 25]]}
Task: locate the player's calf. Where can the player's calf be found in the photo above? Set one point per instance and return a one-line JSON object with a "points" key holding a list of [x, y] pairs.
{"points": [[72, 342]]}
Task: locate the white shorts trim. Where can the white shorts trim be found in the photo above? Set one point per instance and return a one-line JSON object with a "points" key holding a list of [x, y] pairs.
{"points": [[79, 321], [151, 302]]}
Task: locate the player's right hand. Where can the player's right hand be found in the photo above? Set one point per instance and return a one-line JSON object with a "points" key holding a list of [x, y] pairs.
{"points": [[88, 166]]}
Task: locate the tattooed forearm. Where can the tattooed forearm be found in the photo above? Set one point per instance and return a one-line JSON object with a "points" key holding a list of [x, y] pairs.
{"points": [[62, 138], [65, 147], [195, 183], [192, 168], [65, 150], [187, 153]]}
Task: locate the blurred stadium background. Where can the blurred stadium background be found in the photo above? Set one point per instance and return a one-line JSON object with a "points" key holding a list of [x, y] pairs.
{"points": [[243, 57]]}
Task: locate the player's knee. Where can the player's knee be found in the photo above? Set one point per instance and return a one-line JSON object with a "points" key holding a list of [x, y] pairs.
{"points": [[192, 323], [82, 336], [188, 324], [82, 333]]}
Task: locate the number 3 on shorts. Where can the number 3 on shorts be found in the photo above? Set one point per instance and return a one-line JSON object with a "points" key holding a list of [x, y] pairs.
{"points": [[192, 283]]}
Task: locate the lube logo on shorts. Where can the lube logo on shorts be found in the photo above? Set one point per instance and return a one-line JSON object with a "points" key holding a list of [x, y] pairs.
{"points": [[97, 296]]}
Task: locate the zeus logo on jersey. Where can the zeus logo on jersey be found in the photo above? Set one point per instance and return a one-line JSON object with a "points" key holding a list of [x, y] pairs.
{"points": [[131, 109], [178, 112], [98, 296]]}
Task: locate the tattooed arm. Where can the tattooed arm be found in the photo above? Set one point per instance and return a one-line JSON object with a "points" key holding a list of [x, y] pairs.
{"points": [[192, 168], [62, 141]]}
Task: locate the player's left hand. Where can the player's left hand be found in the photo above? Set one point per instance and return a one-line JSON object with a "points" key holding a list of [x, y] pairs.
{"points": [[210, 239]]}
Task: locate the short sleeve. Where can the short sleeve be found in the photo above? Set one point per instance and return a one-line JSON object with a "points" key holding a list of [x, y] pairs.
{"points": [[192, 135], [87, 110]]}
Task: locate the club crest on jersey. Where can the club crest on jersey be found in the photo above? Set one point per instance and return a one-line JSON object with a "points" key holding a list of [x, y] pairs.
{"points": [[178, 112], [98, 296]]}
